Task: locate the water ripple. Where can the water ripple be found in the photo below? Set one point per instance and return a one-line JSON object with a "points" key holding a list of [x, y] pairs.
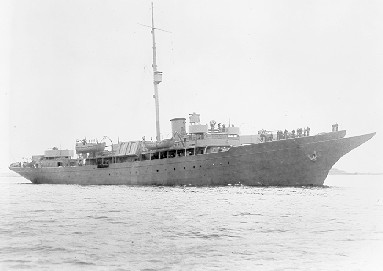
{"points": [[70, 227]]}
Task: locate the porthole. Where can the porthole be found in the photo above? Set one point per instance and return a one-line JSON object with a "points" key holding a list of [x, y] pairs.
{"points": [[193, 166], [174, 168], [157, 170]]}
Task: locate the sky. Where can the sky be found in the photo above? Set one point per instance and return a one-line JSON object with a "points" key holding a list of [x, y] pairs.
{"points": [[82, 68]]}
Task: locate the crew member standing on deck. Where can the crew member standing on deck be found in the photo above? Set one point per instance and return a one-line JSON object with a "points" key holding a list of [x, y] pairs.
{"points": [[335, 127]]}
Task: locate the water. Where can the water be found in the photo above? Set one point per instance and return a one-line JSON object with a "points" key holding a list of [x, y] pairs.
{"points": [[70, 227]]}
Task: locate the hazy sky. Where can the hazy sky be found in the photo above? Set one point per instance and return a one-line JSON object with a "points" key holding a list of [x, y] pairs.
{"points": [[79, 68]]}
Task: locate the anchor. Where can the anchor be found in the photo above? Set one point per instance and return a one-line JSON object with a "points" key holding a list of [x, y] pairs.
{"points": [[313, 157]]}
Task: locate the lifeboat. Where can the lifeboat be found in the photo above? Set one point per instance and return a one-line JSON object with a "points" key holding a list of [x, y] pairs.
{"points": [[163, 144], [87, 147]]}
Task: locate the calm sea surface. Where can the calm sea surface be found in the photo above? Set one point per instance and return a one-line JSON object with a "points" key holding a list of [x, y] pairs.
{"points": [[71, 227]]}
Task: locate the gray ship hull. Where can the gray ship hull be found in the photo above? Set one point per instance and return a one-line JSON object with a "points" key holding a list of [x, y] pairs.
{"points": [[292, 162]]}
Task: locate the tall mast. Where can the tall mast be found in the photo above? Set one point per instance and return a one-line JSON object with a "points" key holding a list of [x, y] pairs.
{"points": [[157, 78]]}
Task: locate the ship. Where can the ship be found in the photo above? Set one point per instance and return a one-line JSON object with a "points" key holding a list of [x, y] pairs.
{"points": [[202, 155]]}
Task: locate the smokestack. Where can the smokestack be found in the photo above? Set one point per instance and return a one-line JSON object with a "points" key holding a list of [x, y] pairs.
{"points": [[178, 126]]}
